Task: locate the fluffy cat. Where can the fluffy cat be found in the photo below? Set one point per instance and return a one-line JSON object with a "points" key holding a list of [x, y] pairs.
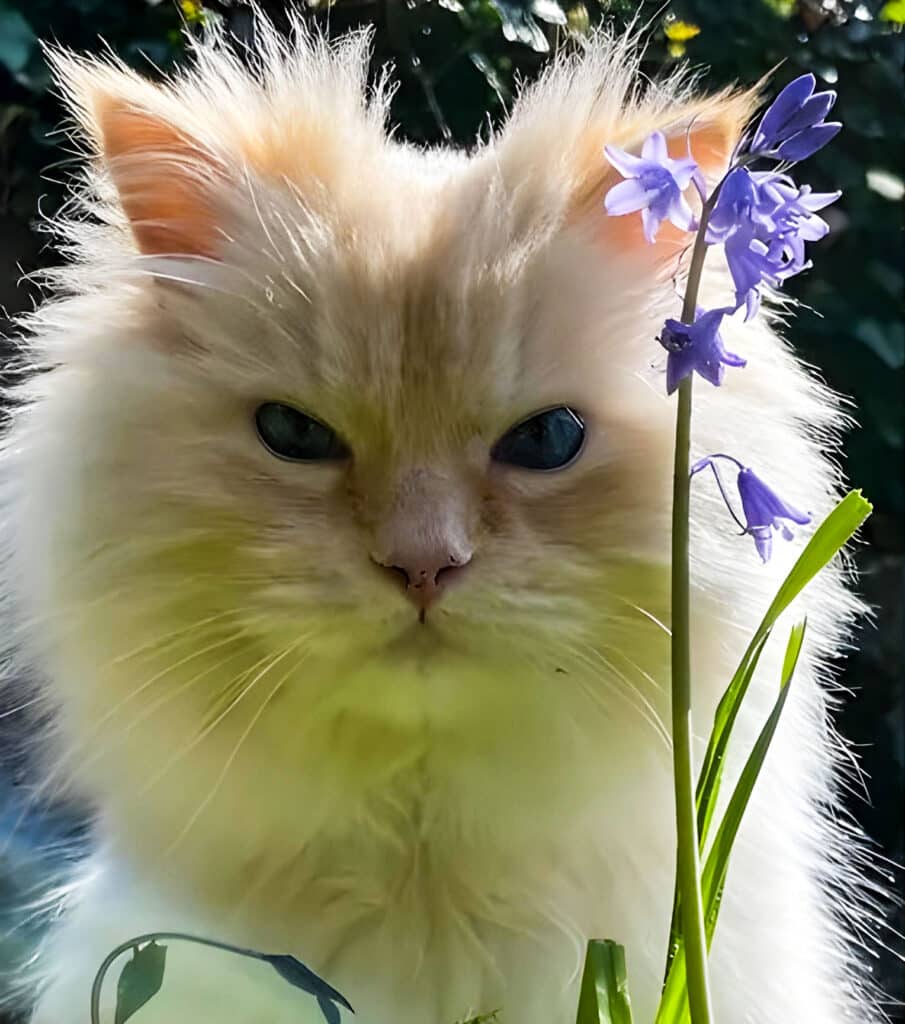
{"points": [[399, 710]]}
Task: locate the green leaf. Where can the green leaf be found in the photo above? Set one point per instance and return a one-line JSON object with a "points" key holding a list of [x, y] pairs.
{"points": [[604, 997], [673, 1005], [713, 877], [829, 538], [17, 40], [140, 980]]}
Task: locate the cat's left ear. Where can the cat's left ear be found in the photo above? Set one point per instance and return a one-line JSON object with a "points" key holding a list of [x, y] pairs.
{"points": [[169, 178], [707, 131]]}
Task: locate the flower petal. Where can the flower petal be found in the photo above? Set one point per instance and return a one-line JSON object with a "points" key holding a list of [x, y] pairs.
{"points": [[814, 201], [651, 223], [654, 149], [782, 109], [679, 365], [812, 112], [682, 170], [762, 505], [680, 213], [628, 196], [627, 164], [802, 145], [763, 541]]}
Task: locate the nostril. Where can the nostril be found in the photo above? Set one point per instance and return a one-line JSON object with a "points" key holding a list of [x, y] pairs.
{"points": [[425, 575], [401, 574], [448, 571]]}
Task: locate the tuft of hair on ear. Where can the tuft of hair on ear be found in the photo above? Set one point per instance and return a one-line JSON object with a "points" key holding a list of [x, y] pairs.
{"points": [[165, 177], [293, 109], [552, 148]]}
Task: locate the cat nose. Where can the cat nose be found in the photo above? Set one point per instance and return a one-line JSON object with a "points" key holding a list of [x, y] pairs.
{"points": [[425, 574]]}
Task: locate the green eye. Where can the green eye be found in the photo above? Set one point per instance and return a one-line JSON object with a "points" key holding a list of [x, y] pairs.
{"points": [[547, 440], [291, 434]]}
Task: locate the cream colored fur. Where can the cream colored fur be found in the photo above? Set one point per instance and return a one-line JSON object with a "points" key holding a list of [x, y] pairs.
{"points": [[435, 818]]}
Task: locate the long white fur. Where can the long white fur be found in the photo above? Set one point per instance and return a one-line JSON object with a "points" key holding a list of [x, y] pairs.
{"points": [[437, 826]]}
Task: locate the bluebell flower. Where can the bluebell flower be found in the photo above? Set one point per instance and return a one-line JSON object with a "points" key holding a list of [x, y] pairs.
{"points": [[655, 185], [793, 127], [763, 509], [764, 219], [698, 348]]}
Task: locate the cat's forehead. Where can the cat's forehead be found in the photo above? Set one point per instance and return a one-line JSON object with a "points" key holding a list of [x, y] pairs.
{"points": [[416, 302]]}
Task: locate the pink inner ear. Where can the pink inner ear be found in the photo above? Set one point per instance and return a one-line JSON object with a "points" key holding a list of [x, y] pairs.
{"points": [[163, 180], [711, 146]]}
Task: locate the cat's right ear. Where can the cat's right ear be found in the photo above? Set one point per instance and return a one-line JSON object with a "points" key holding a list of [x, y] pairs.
{"points": [[168, 179]]}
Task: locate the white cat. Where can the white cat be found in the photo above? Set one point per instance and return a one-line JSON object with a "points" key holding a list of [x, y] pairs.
{"points": [[346, 669]]}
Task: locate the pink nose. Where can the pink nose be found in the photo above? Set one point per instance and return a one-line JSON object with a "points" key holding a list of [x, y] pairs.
{"points": [[425, 573]]}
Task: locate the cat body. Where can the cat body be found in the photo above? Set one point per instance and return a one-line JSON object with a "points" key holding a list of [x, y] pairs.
{"points": [[433, 806]]}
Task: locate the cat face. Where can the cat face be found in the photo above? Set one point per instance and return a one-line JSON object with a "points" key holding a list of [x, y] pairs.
{"points": [[347, 446]]}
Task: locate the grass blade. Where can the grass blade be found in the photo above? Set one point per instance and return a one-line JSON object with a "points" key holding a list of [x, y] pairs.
{"points": [[604, 997]]}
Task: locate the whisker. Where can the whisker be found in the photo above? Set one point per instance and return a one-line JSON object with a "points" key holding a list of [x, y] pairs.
{"points": [[209, 728], [647, 711], [235, 751], [164, 637]]}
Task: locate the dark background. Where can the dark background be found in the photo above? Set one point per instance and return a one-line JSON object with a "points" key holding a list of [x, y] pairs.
{"points": [[457, 61]]}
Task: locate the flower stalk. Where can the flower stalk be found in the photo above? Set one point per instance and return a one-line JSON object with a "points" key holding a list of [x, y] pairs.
{"points": [[688, 864], [762, 220]]}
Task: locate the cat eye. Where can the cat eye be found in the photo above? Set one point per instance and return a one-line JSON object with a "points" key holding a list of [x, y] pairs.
{"points": [[290, 434], [548, 440]]}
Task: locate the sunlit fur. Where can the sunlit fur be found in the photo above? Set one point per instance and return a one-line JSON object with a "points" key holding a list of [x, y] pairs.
{"points": [[434, 817]]}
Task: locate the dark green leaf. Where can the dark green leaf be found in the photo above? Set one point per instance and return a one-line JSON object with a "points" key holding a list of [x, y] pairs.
{"points": [[140, 980], [329, 1009], [297, 974], [17, 40], [886, 341]]}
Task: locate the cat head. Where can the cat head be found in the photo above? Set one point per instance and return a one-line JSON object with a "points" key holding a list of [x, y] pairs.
{"points": [[340, 431]]}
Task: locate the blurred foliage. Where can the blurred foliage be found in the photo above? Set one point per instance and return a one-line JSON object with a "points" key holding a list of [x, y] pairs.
{"points": [[457, 62]]}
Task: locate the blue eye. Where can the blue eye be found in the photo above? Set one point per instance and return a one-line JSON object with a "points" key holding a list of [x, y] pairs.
{"points": [[547, 440], [291, 434]]}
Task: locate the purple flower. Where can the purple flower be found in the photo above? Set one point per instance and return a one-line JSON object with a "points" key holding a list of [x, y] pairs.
{"points": [[764, 510], [764, 219], [655, 185], [697, 347], [793, 127]]}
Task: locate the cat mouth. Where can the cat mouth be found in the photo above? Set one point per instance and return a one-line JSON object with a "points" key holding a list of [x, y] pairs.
{"points": [[422, 634]]}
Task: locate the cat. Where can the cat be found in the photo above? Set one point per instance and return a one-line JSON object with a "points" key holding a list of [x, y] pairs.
{"points": [[336, 524]]}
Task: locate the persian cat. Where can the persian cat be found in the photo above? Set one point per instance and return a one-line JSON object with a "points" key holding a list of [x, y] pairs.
{"points": [[336, 526]]}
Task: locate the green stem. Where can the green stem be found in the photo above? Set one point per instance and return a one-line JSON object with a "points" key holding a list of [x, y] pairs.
{"points": [[688, 864]]}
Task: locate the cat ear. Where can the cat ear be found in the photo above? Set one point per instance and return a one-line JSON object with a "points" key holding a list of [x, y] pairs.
{"points": [[166, 178]]}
